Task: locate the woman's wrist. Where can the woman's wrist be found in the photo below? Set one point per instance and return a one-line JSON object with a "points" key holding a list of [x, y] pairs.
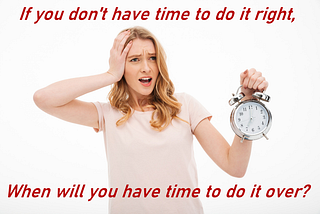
{"points": [[112, 77]]}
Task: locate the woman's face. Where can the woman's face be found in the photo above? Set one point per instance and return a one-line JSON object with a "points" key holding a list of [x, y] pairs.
{"points": [[141, 70]]}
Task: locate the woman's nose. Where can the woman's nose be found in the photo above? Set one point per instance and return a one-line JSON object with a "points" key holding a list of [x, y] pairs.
{"points": [[145, 66]]}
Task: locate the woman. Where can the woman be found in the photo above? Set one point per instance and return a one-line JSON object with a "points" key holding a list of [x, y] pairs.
{"points": [[148, 129]]}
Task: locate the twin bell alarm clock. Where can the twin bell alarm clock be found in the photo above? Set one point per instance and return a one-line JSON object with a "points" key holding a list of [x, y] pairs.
{"points": [[250, 119]]}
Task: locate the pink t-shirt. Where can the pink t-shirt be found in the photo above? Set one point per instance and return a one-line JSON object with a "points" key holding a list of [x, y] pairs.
{"points": [[141, 157]]}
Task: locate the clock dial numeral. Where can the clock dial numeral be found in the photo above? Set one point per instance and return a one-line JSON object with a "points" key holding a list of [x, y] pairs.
{"points": [[251, 118]]}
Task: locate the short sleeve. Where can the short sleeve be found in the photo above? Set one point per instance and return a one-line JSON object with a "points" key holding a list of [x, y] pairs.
{"points": [[101, 117], [197, 112]]}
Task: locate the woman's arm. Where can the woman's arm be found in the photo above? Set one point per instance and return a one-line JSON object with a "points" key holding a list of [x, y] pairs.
{"points": [[59, 99], [232, 159]]}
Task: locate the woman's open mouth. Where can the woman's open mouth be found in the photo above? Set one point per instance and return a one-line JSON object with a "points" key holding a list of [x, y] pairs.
{"points": [[145, 81]]}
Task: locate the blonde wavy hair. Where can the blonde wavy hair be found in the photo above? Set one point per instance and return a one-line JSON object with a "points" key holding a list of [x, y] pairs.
{"points": [[165, 105]]}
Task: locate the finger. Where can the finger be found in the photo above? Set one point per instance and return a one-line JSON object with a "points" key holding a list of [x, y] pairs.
{"points": [[247, 78], [258, 81], [243, 75], [126, 49], [263, 86], [118, 39], [123, 41], [253, 79]]}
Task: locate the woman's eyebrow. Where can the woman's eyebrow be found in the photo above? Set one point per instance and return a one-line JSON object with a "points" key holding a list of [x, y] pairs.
{"points": [[138, 55], [135, 55]]}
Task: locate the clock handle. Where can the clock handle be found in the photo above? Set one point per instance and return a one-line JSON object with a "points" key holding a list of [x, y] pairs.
{"points": [[238, 89], [236, 97], [257, 95]]}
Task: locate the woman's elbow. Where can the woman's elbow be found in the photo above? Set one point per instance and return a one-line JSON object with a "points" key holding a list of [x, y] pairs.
{"points": [[238, 173], [40, 99]]}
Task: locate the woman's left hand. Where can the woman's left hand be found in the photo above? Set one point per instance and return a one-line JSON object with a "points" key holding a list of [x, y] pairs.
{"points": [[252, 81]]}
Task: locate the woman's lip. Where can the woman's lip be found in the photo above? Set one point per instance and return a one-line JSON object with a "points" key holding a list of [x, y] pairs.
{"points": [[146, 84], [146, 77]]}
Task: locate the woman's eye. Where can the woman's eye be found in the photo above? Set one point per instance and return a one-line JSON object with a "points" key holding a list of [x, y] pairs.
{"points": [[153, 58], [134, 60]]}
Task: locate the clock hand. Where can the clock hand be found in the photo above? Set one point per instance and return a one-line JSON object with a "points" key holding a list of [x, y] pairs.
{"points": [[251, 117]]}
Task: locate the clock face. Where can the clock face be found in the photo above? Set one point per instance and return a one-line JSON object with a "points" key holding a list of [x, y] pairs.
{"points": [[251, 118]]}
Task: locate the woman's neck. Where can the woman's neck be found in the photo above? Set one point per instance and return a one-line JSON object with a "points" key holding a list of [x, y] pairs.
{"points": [[141, 105]]}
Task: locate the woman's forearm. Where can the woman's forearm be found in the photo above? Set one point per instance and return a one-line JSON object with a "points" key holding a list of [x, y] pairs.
{"points": [[62, 92], [239, 155]]}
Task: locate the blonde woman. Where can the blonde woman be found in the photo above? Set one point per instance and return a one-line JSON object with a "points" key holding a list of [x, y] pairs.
{"points": [[148, 129]]}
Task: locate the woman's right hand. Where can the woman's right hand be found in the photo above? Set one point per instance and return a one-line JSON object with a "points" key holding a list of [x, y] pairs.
{"points": [[117, 56]]}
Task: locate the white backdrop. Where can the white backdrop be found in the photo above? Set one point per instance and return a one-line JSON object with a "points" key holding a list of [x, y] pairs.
{"points": [[205, 58]]}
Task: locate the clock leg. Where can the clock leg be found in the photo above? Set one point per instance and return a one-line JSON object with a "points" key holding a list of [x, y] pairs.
{"points": [[242, 139], [265, 136]]}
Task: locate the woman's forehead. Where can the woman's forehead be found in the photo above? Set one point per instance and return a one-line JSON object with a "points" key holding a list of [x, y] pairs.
{"points": [[140, 46]]}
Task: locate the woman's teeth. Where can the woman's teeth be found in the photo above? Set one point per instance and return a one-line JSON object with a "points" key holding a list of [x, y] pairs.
{"points": [[145, 80]]}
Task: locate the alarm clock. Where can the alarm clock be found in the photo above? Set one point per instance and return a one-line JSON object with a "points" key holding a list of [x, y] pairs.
{"points": [[250, 119]]}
